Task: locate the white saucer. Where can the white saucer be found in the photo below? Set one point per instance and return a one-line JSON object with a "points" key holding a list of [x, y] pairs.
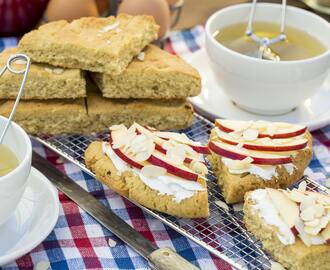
{"points": [[213, 103], [32, 221]]}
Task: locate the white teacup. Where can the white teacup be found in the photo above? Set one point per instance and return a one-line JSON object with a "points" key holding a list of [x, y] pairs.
{"points": [[262, 86], [12, 185]]}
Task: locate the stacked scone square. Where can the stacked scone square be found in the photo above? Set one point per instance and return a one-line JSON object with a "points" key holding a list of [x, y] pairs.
{"points": [[137, 82]]}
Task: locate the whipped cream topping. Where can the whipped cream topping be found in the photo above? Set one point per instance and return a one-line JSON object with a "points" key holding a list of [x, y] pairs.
{"points": [[166, 184], [270, 214]]}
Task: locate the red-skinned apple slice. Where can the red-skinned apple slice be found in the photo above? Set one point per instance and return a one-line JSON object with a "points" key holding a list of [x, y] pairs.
{"points": [[196, 146], [181, 171], [233, 152], [281, 133], [123, 156], [288, 210], [297, 144]]}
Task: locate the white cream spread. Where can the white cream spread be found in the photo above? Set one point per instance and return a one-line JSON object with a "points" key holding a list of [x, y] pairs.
{"points": [[270, 214], [179, 188], [266, 172]]}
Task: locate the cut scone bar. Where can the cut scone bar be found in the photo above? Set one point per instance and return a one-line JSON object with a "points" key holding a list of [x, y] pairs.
{"points": [[43, 81], [72, 116], [105, 45], [154, 74], [248, 155]]}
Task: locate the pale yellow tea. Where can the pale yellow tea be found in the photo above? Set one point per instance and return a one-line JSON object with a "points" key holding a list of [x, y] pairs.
{"points": [[298, 45], [8, 160]]}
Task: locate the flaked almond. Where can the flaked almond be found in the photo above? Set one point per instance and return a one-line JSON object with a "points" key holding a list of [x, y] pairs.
{"points": [[117, 127], [312, 230], [236, 134], [199, 167], [312, 223], [307, 202], [20, 62], [42, 265], [177, 154], [250, 134], [240, 145], [222, 205], [191, 152], [302, 186], [244, 126], [112, 243], [260, 125], [319, 210], [238, 207], [271, 129], [145, 155], [140, 56], [276, 266], [239, 164], [58, 71], [49, 70], [109, 27], [296, 195], [153, 171], [308, 214]]}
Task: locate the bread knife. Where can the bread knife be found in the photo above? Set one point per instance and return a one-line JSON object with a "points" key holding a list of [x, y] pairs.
{"points": [[158, 258]]}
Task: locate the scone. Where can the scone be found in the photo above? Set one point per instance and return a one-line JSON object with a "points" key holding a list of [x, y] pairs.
{"points": [[166, 175], [248, 155], [161, 114], [49, 117], [293, 226], [105, 45], [96, 114], [43, 81], [154, 74]]}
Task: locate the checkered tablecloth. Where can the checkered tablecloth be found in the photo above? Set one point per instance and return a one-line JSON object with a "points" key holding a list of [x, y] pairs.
{"points": [[78, 242]]}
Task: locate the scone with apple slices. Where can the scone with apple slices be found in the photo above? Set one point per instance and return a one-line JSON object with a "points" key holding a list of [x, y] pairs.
{"points": [[248, 155], [163, 171], [293, 226]]}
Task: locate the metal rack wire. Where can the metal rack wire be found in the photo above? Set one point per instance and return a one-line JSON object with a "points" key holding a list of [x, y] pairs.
{"points": [[223, 233]]}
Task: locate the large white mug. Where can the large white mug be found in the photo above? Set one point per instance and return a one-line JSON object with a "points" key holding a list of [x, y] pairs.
{"points": [[262, 86], [13, 184]]}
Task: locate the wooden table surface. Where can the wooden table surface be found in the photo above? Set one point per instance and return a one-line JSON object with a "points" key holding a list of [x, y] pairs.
{"points": [[197, 11]]}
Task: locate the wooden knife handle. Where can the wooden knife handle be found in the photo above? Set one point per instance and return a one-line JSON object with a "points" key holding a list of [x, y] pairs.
{"points": [[167, 259]]}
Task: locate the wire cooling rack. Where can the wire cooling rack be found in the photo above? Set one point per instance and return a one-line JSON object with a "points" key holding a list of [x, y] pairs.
{"points": [[223, 233]]}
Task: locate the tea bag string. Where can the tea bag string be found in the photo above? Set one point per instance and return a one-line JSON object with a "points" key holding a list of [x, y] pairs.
{"points": [[25, 71]]}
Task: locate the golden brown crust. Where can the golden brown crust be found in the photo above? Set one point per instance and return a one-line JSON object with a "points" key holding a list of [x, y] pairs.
{"points": [[87, 44], [43, 81], [129, 185], [294, 257], [160, 75], [234, 186], [161, 114]]}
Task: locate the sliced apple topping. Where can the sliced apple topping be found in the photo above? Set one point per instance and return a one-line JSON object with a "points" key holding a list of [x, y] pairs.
{"points": [[233, 152], [265, 129], [261, 144], [153, 171], [155, 156]]}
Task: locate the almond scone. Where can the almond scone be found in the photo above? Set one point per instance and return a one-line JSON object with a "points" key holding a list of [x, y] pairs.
{"points": [[154, 74], [293, 225], [43, 81], [248, 155], [159, 170], [105, 45]]}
